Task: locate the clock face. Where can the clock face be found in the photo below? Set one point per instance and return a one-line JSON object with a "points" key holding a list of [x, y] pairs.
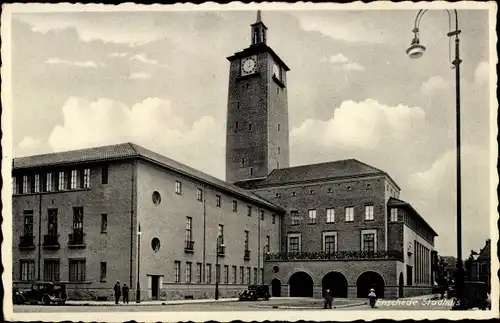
{"points": [[248, 65], [409, 247], [276, 71]]}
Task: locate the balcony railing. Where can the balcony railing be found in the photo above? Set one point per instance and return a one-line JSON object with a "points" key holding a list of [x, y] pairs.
{"points": [[76, 239], [51, 241], [189, 246], [247, 255], [27, 242], [338, 255], [221, 251]]}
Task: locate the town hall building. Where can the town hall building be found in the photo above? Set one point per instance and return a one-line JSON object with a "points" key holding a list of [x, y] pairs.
{"points": [[94, 216]]}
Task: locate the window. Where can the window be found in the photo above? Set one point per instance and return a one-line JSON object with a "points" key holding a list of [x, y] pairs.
{"points": [[74, 179], [394, 215], [249, 127], [295, 217], [28, 223], [226, 274], [251, 171], [177, 271], [249, 210], [255, 275], [278, 127], [37, 184], [312, 216], [26, 185], [268, 243], [62, 181], [278, 165], [311, 192], [77, 270], [103, 272], [329, 242], [217, 200], [237, 105], [77, 219], [277, 194], [249, 275], [235, 206], [48, 183], [262, 215], [86, 178], [294, 194], [368, 240], [104, 174], [178, 187], [15, 187], [294, 242], [189, 228], [369, 212], [330, 215], [349, 187], [330, 190], [104, 223], [217, 273], [349, 214], [274, 218], [198, 272], [199, 194], [368, 186], [51, 270], [236, 126], [279, 150], [234, 275], [27, 270], [220, 233], [246, 239], [242, 161], [209, 273], [188, 272], [242, 275], [52, 222]]}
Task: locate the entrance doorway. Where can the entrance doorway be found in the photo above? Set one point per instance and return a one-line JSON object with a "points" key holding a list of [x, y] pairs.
{"points": [[276, 287], [336, 283], [368, 280], [155, 286], [301, 285], [401, 286]]}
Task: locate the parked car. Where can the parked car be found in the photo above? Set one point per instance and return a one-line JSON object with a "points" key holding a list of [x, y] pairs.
{"points": [[42, 292], [255, 292], [476, 295]]}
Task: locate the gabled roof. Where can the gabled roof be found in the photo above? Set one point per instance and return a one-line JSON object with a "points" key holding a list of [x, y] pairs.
{"points": [[485, 253], [132, 151], [397, 202], [324, 171]]}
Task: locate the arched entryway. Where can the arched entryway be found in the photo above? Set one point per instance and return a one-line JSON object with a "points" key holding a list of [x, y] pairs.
{"points": [[367, 280], [336, 283], [401, 284], [276, 287], [301, 285]]}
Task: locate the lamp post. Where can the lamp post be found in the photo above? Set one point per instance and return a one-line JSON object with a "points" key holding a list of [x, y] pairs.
{"points": [[138, 287], [416, 51], [217, 269]]}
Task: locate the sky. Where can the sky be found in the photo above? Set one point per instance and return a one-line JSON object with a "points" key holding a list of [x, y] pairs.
{"points": [[160, 79]]}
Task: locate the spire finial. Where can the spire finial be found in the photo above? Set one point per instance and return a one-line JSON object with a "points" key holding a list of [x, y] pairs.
{"points": [[259, 18]]}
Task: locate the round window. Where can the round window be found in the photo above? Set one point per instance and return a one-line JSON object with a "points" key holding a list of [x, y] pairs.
{"points": [[155, 244], [156, 198], [276, 269]]}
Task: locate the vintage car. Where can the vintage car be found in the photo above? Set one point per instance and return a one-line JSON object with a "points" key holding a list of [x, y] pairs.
{"points": [[41, 292], [255, 292]]}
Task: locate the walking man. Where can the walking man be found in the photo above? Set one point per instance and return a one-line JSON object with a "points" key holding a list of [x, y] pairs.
{"points": [[125, 290], [328, 299], [118, 292]]}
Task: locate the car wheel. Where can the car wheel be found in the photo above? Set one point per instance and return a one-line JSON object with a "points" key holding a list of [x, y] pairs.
{"points": [[46, 300]]}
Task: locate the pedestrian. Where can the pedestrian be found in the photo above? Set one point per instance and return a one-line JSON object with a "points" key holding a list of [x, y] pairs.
{"points": [[372, 297], [125, 290], [328, 299], [118, 292]]}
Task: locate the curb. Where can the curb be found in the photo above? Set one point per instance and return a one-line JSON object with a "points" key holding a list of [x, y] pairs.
{"points": [[166, 303], [307, 307]]}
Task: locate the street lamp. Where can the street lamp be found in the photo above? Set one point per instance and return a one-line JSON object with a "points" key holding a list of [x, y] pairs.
{"points": [[416, 51], [138, 287], [218, 246]]}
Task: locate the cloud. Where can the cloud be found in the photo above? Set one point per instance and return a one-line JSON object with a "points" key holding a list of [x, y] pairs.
{"points": [[29, 146], [434, 84], [142, 58], [152, 123], [482, 73], [361, 125], [341, 61], [118, 55], [57, 61], [139, 76], [353, 67], [338, 58]]}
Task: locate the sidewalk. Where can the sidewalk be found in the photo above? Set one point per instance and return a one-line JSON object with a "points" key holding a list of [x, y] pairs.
{"points": [[148, 302], [422, 297]]}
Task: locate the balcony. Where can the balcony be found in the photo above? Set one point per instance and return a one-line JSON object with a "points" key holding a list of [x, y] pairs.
{"points": [[338, 255], [247, 255], [51, 241], [221, 251], [189, 246], [27, 242], [76, 239]]}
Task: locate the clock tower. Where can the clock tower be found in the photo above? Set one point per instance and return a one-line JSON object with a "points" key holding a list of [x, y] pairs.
{"points": [[257, 112]]}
